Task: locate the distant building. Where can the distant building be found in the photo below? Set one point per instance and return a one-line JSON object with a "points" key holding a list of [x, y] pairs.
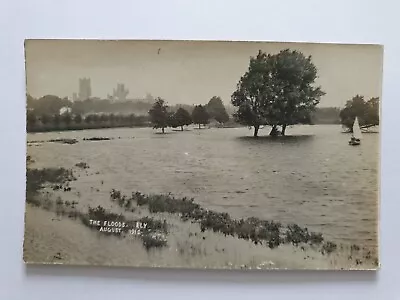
{"points": [[85, 89], [119, 93]]}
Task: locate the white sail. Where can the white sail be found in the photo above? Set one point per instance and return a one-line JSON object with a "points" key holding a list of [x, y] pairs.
{"points": [[356, 129]]}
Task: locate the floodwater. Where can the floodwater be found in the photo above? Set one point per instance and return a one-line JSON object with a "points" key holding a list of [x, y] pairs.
{"points": [[312, 178]]}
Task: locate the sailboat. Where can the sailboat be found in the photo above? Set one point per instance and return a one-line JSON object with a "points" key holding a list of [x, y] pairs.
{"points": [[356, 137]]}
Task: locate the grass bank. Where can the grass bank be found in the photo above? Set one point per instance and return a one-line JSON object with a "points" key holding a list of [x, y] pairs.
{"points": [[153, 235], [260, 232], [270, 233]]}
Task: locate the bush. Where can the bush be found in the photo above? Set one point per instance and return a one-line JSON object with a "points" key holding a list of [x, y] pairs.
{"points": [[59, 201], [64, 141], [296, 235], [115, 195], [36, 178], [155, 225], [99, 213], [153, 241], [328, 247], [82, 165], [316, 238], [166, 203]]}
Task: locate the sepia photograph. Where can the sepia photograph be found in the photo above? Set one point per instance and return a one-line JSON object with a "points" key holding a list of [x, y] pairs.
{"points": [[203, 154]]}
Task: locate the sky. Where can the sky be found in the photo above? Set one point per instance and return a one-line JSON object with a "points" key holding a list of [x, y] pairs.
{"points": [[189, 72]]}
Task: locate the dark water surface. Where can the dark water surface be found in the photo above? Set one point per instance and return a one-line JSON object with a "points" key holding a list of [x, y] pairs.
{"points": [[314, 179]]}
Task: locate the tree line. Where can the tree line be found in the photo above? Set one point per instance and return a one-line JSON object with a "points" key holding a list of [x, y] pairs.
{"points": [[51, 104], [162, 117], [69, 121]]}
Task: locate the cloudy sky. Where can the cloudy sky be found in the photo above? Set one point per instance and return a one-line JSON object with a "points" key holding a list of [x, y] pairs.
{"points": [[189, 72]]}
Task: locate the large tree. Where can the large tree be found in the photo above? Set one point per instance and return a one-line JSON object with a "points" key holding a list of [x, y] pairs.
{"points": [[200, 115], [159, 114], [181, 118], [216, 109], [277, 90], [366, 111]]}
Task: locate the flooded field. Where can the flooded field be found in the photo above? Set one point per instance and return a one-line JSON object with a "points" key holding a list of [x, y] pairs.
{"points": [[312, 177]]}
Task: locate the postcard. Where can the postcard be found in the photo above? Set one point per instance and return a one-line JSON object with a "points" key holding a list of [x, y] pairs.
{"points": [[203, 154]]}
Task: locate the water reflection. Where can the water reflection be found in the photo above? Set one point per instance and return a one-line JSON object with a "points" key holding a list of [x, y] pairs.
{"points": [[288, 139]]}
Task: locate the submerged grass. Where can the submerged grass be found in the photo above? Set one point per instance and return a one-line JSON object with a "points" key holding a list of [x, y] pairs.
{"points": [[36, 178], [152, 236], [259, 231], [269, 233], [82, 165], [64, 141]]}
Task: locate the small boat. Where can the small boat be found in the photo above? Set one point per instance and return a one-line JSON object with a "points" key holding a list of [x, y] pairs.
{"points": [[355, 139]]}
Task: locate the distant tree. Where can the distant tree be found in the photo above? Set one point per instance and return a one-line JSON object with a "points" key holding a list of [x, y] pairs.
{"points": [[67, 119], [45, 119], [187, 107], [78, 119], [159, 115], [372, 112], [171, 121], [104, 118], [95, 118], [112, 118], [56, 120], [200, 115], [119, 119], [277, 90], [366, 111], [30, 120], [181, 118], [131, 119], [217, 110], [88, 119], [48, 104], [30, 101]]}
